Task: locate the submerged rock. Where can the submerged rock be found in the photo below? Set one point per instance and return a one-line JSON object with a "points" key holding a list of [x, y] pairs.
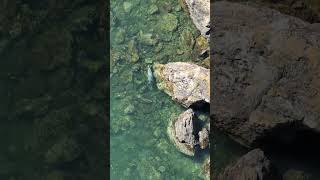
{"points": [[66, 150], [186, 83], [203, 138], [169, 22], [181, 132], [147, 38], [133, 52], [200, 14], [153, 9], [127, 6], [206, 168], [265, 72], [254, 166], [295, 175]]}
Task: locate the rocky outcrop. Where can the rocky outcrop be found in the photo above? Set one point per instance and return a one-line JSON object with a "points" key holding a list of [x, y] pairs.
{"points": [[254, 166], [181, 132], [186, 83], [265, 72], [200, 14]]}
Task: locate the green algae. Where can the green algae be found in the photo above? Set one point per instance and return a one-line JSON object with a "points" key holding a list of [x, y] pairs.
{"points": [[140, 148]]}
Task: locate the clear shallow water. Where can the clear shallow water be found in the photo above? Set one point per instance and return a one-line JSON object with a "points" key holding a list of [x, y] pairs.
{"points": [[140, 113], [144, 32]]}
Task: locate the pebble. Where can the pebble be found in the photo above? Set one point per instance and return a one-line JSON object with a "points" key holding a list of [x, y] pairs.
{"points": [[162, 169]]}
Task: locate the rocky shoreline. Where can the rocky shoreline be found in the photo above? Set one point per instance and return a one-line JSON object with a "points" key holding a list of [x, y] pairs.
{"points": [[264, 84]]}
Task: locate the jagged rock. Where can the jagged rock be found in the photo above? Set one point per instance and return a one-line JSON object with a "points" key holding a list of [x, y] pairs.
{"points": [[265, 73], [200, 14], [203, 138], [186, 83], [181, 132], [254, 166]]}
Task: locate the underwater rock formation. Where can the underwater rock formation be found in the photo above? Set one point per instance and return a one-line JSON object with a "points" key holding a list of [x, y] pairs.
{"points": [[265, 73], [53, 76], [292, 174], [206, 168], [181, 132], [254, 166], [186, 83], [200, 14]]}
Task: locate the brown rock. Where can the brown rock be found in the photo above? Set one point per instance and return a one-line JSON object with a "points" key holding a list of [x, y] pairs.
{"points": [[265, 73], [200, 14], [186, 83], [252, 166]]}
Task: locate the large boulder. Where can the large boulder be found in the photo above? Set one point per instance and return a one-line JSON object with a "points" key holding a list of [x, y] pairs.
{"points": [[186, 83], [181, 132], [265, 73], [199, 11], [252, 166]]}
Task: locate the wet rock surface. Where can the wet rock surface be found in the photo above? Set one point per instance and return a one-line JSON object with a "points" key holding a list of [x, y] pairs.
{"points": [[265, 72], [186, 83], [181, 132], [186, 133], [200, 14], [204, 138], [254, 166]]}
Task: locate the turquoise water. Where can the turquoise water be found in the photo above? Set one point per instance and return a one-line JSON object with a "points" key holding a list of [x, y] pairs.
{"points": [[144, 32]]}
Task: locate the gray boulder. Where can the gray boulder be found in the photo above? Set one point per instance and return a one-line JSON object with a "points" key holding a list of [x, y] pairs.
{"points": [[181, 132], [186, 83], [265, 73], [199, 11]]}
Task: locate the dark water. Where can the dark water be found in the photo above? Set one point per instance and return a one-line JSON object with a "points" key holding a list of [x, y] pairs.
{"points": [[52, 90]]}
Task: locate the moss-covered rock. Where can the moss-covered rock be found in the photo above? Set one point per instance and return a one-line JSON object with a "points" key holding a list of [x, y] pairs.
{"points": [[168, 22], [65, 150]]}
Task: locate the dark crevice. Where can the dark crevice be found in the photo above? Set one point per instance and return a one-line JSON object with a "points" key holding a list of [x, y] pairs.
{"points": [[201, 106], [293, 146]]}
